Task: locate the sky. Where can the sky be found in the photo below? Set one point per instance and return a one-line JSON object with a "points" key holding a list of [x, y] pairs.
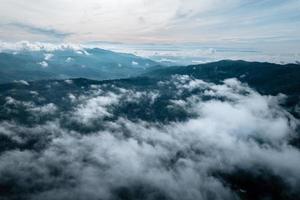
{"points": [[265, 25]]}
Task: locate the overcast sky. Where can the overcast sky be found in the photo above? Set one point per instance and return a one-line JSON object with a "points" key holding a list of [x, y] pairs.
{"points": [[152, 21]]}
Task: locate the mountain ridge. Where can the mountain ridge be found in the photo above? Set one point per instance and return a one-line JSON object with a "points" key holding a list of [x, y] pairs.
{"points": [[70, 63]]}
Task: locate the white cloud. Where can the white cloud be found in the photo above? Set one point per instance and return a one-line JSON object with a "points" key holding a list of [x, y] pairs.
{"points": [[232, 127], [69, 81], [34, 92], [72, 97], [68, 60], [48, 56], [37, 46], [47, 109], [22, 82], [95, 108], [44, 64], [187, 54], [134, 63]]}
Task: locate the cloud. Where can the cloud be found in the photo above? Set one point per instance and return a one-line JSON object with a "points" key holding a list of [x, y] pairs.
{"points": [[231, 127], [69, 59], [47, 109], [188, 54], [44, 64], [43, 31], [134, 63], [95, 108], [38, 46], [22, 82], [48, 56], [164, 21], [68, 81], [179, 54]]}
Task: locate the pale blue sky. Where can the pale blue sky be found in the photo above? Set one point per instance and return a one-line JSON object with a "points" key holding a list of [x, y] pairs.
{"points": [[262, 24]]}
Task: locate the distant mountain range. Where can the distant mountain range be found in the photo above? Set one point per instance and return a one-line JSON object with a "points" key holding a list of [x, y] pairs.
{"points": [[94, 63], [99, 64]]}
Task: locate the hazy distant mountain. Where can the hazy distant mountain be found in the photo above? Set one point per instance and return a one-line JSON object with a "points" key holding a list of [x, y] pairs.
{"points": [[88, 63]]}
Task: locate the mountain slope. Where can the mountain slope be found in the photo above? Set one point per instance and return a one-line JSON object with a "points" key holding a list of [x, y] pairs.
{"points": [[266, 77], [68, 63]]}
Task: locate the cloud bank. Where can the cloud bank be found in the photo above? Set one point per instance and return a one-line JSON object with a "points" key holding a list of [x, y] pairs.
{"points": [[175, 54], [102, 146]]}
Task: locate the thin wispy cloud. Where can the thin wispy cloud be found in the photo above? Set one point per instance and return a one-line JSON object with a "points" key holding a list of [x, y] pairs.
{"points": [[51, 33]]}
